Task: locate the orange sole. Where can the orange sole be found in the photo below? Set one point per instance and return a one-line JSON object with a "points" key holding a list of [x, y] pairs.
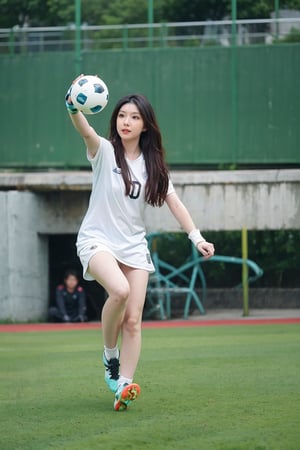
{"points": [[128, 395]]}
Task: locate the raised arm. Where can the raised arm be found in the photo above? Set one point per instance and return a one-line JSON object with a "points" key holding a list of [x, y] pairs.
{"points": [[184, 218], [89, 135]]}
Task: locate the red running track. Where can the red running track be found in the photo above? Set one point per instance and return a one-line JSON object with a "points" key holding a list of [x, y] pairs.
{"points": [[38, 327]]}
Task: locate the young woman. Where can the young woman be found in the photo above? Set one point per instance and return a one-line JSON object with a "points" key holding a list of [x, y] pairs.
{"points": [[70, 300], [129, 173]]}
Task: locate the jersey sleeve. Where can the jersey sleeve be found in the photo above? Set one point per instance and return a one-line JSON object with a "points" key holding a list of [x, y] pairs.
{"points": [[95, 160], [171, 188], [105, 150]]}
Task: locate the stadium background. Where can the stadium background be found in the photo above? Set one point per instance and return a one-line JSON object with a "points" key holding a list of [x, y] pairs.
{"points": [[225, 107], [219, 107]]}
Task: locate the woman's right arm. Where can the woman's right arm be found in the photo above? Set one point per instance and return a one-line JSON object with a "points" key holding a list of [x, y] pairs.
{"points": [[89, 135]]}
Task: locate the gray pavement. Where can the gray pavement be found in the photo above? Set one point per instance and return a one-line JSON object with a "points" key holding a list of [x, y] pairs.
{"points": [[231, 314]]}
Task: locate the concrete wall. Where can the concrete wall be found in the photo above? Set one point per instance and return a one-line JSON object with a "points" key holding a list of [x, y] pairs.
{"points": [[267, 199], [33, 206], [24, 262]]}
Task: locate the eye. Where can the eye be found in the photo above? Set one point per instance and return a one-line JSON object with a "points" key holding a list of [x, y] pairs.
{"points": [[121, 114], [136, 117]]}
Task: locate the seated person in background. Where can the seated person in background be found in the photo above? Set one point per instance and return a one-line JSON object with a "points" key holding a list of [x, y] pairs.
{"points": [[70, 301]]}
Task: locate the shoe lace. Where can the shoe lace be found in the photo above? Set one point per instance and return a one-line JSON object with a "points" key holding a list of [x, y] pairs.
{"points": [[113, 366]]}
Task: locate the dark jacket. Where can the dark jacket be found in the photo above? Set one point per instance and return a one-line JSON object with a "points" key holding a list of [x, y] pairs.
{"points": [[69, 304]]}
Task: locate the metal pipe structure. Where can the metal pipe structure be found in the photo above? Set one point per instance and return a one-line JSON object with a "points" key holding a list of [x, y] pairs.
{"points": [[78, 37]]}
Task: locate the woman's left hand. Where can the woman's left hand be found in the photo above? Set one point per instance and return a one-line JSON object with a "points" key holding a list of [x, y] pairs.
{"points": [[206, 249]]}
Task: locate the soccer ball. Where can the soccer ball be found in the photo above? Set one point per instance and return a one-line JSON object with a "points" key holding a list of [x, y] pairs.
{"points": [[89, 94]]}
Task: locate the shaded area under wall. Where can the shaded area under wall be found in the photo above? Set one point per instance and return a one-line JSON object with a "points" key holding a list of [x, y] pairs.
{"points": [[63, 256]]}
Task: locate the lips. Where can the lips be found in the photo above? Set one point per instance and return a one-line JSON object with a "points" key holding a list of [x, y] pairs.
{"points": [[125, 131]]}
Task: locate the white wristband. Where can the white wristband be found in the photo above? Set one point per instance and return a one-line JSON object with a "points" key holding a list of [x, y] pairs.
{"points": [[195, 236]]}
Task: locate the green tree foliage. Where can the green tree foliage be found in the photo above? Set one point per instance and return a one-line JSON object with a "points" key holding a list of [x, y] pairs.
{"points": [[118, 11], [194, 10], [20, 12], [101, 12], [275, 251], [62, 12], [249, 9]]}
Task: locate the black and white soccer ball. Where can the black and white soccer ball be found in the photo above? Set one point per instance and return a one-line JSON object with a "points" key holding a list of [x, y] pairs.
{"points": [[89, 94]]}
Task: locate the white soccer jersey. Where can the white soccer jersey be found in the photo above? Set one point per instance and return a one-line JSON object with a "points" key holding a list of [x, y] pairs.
{"points": [[114, 219]]}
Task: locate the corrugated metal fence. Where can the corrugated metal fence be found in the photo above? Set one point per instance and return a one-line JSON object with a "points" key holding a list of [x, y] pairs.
{"points": [[216, 106]]}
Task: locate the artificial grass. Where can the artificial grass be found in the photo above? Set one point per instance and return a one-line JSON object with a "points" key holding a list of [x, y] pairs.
{"points": [[210, 388]]}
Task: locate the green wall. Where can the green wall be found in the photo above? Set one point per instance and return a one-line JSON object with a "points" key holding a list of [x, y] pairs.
{"points": [[215, 105]]}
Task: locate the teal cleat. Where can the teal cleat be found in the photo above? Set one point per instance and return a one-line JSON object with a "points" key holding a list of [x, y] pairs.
{"points": [[111, 374]]}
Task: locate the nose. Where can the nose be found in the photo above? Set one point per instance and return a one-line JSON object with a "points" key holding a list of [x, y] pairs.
{"points": [[126, 120]]}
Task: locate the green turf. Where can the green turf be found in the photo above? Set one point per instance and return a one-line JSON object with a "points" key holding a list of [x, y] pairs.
{"points": [[221, 388]]}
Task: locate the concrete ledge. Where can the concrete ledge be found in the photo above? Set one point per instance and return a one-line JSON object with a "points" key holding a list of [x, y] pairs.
{"points": [[47, 181], [235, 176], [81, 180], [258, 298]]}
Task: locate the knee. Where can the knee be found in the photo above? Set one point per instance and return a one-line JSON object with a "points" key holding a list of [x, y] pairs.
{"points": [[120, 293], [132, 324]]}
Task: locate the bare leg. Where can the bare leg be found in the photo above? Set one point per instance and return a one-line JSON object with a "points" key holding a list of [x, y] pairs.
{"points": [[131, 326], [123, 309], [106, 270]]}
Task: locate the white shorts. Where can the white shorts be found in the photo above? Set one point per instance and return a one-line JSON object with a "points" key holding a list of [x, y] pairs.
{"points": [[86, 252]]}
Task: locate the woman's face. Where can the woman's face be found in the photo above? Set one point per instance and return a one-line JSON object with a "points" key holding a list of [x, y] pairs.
{"points": [[129, 122]]}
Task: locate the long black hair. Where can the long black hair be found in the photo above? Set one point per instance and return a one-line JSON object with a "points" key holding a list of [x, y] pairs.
{"points": [[151, 146]]}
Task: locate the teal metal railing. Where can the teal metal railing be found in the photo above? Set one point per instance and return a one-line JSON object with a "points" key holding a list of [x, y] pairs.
{"points": [[82, 37]]}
